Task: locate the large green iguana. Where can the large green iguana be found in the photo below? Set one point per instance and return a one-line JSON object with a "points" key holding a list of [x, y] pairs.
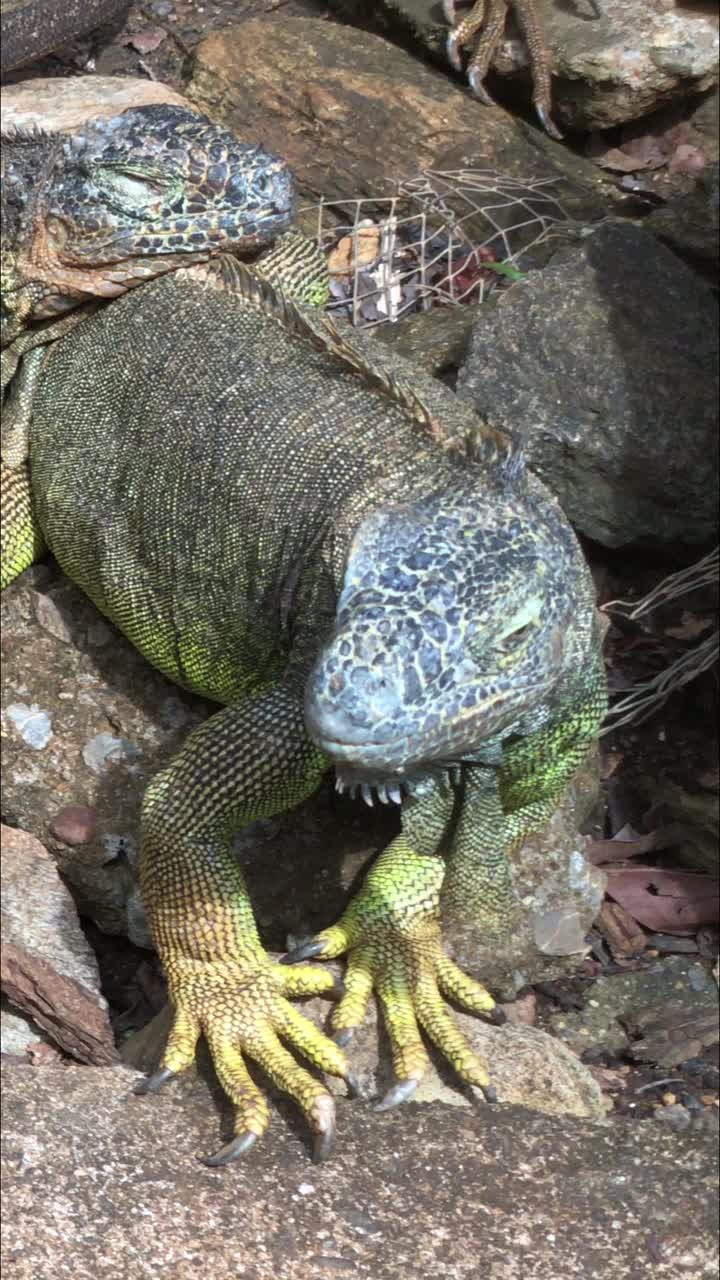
{"points": [[333, 547]]}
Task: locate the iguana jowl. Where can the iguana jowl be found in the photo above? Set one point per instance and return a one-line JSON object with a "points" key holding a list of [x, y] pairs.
{"points": [[333, 547]]}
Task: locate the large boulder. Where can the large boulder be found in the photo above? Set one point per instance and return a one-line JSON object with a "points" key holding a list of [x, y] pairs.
{"points": [[612, 62], [99, 1184], [604, 365]]}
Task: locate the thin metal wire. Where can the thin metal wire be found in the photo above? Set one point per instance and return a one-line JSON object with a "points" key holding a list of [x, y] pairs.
{"points": [[426, 241]]}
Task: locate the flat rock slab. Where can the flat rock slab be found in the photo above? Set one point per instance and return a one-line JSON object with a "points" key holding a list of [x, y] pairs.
{"points": [[364, 114], [98, 1184], [62, 105]]}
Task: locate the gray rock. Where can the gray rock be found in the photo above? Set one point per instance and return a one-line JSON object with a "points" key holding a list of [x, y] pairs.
{"points": [[612, 62], [675, 1117], [635, 1001], [604, 365], [690, 224], [420, 1192]]}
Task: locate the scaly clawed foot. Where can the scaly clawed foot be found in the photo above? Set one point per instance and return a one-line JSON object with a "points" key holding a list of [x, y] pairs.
{"points": [[411, 974], [482, 29], [245, 1010]]}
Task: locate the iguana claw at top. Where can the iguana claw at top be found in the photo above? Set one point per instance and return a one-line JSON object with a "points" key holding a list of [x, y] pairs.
{"points": [[482, 30]]}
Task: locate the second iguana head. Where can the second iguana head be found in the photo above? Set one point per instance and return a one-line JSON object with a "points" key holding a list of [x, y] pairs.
{"points": [[91, 214]]}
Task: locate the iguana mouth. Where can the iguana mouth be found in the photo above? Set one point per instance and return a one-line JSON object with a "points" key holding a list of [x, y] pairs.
{"points": [[392, 789]]}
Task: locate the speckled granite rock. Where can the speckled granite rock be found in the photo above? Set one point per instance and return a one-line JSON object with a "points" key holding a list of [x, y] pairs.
{"points": [[99, 1184]]}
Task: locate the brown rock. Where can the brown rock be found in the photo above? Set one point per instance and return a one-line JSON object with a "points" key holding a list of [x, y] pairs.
{"points": [[75, 824], [63, 104], [364, 113], [48, 970]]}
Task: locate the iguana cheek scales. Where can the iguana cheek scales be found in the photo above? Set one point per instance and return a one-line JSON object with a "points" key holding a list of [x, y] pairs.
{"points": [[221, 472]]}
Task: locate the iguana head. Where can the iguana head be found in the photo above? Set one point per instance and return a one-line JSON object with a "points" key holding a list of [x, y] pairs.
{"points": [[131, 197], [450, 628]]}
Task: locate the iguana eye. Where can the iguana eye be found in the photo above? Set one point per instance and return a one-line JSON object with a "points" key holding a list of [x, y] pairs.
{"points": [[135, 188], [515, 638]]}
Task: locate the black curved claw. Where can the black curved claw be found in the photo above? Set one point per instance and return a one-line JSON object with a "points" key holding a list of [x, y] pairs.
{"points": [[497, 1015], [232, 1150], [322, 1144], [478, 88], [490, 1093], [453, 53], [155, 1082], [343, 1037], [547, 122], [400, 1092], [353, 1085], [306, 950]]}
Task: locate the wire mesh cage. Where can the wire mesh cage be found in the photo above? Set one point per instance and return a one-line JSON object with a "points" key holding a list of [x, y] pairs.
{"points": [[440, 238]]}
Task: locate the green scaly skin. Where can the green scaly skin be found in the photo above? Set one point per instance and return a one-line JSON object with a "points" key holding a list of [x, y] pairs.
{"points": [[330, 544]]}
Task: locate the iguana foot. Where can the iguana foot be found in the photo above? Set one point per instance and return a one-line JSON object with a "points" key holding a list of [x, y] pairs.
{"points": [[486, 21], [391, 933], [244, 1010]]}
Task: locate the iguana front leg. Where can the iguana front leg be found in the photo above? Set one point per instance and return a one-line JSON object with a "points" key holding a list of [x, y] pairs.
{"points": [[392, 929], [482, 30], [503, 806], [392, 933], [246, 762]]}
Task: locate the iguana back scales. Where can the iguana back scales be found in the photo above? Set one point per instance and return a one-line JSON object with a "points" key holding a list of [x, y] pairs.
{"points": [[331, 545]]}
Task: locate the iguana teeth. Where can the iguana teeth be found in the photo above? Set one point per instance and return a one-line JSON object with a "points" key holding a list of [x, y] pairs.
{"points": [[353, 790], [382, 795], [367, 794], [339, 785], [395, 794]]}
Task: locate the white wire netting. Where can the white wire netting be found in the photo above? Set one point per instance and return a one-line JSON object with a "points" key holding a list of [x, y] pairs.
{"points": [[645, 698], [440, 238]]}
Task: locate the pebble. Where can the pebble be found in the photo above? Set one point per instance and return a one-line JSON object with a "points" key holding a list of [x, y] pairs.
{"points": [[675, 1117], [75, 824]]}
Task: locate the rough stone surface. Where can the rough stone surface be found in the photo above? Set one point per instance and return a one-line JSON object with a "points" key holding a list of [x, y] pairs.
{"points": [[83, 718], [612, 62], [623, 1003], [365, 114], [86, 722], [98, 1184], [57, 104], [435, 340], [604, 365], [690, 224], [49, 972]]}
